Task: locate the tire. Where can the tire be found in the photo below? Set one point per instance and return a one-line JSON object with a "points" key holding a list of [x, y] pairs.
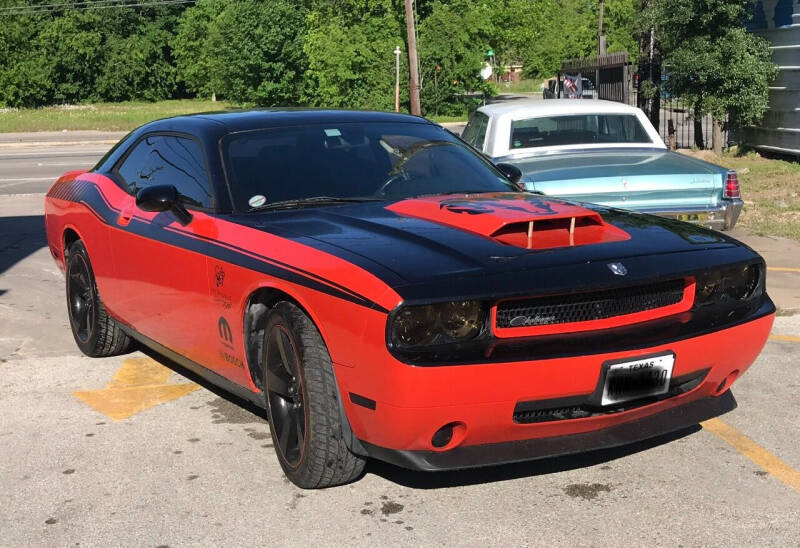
{"points": [[303, 403], [96, 333]]}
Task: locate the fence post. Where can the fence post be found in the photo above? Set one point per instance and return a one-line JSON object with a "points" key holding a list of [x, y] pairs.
{"points": [[717, 136], [698, 129], [673, 142]]}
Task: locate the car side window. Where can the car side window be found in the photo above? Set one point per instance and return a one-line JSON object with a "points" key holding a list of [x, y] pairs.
{"points": [[168, 160], [475, 132]]}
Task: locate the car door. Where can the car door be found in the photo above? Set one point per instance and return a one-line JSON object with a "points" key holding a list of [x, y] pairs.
{"points": [[160, 264]]}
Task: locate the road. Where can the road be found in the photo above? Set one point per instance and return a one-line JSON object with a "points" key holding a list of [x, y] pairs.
{"points": [[27, 170], [132, 450]]}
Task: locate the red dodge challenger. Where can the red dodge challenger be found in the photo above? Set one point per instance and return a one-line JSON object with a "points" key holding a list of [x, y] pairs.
{"points": [[384, 291]]}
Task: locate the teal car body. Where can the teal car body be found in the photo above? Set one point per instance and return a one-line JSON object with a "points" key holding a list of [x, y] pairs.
{"points": [[638, 173]]}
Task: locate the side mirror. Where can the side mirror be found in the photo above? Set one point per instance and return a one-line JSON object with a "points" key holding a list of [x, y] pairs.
{"points": [[512, 172], [163, 198]]}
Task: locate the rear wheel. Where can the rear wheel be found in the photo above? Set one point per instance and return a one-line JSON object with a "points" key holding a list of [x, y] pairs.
{"points": [[96, 333], [303, 403]]}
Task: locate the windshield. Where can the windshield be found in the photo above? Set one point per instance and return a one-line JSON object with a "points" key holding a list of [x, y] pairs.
{"points": [[365, 160], [580, 129]]}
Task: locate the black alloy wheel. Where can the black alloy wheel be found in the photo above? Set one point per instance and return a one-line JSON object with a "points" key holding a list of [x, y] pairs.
{"points": [[309, 430], [96, 333], [285, 393], [81, 296]]}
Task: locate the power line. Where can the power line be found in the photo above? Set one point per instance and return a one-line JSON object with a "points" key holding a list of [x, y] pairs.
{"points": [[89, 5], [61, 5]]}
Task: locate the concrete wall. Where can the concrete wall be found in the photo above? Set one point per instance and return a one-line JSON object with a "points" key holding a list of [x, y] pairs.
{"points": [[779, 22]]}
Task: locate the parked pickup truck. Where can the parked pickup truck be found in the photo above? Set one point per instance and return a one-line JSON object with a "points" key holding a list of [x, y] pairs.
{"points": [[605, 153]]}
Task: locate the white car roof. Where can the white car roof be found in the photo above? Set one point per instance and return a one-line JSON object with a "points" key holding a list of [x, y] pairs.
{"points": [[502, 115], [534, 108]]}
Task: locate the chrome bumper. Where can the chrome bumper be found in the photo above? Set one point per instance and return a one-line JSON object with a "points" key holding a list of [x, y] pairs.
{"points": [[723, 217]]}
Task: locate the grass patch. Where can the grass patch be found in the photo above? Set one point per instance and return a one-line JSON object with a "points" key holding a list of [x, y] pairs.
{"points": [[448, 119], [101, 116], [117, 116], [770, 190], [523, 86]]}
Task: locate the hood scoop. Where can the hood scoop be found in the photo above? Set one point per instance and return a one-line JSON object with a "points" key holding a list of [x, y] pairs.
{"points": [[515, 219]]}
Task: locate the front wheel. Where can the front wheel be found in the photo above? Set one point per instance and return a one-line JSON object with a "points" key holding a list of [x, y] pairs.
{"points": [[96, 333], [303, 403]]}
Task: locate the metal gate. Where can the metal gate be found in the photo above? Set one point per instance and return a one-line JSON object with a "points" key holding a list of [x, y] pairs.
{"points": [[603, 77], [612, 78]]}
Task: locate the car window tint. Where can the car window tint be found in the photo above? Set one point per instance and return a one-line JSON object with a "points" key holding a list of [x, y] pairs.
{"points": [[345, 160], [169, 160], [577, 130], [475, 132]]}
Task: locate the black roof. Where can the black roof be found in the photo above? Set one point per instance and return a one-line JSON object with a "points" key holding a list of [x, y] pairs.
{"points": [[243, 120]]}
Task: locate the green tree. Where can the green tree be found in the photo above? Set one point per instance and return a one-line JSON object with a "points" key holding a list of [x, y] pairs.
{"points": [[71, 49], [453, 41], [191, 47], [137, 67], [256, 52], [714, 65], [24, 80], [350, 59]]}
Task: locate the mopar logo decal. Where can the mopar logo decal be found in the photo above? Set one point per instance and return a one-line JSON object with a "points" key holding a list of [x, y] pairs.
{"points": [[618, 269], [225, 332]]}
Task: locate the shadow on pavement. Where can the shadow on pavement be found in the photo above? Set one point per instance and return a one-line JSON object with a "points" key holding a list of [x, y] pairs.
{"points": [[193, 377], [436, 480], [474, 476], [20, 237]]}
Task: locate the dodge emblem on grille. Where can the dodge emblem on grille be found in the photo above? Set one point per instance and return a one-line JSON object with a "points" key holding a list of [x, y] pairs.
{"points": [[618, 269]]}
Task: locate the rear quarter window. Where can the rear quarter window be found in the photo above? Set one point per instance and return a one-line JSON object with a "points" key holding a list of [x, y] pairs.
{"points": [[475, 132]]}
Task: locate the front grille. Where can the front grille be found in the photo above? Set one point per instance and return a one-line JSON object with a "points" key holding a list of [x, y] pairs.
{"points": [[583, 307]]}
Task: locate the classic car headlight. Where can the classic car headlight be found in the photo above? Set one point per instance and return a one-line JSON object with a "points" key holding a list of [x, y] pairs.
{"points": [[437, 323], [730, 285]]}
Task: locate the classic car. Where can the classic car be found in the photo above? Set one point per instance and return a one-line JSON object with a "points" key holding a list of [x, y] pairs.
{"points": [[382, 290], [605, 153]]}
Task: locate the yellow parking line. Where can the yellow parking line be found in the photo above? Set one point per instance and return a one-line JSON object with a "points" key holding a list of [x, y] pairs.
{"points": [[787, 338], [783, 269], [750, 449]]}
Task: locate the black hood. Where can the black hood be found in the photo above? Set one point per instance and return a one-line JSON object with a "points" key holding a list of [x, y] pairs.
{"points": [[422, 259]]}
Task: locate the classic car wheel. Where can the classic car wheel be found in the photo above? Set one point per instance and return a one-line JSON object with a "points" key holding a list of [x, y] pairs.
{"points": [[95, 332], [303, 403]]}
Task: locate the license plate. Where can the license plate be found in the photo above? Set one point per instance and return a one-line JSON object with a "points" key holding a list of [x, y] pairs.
{"points": [[635, 379]]}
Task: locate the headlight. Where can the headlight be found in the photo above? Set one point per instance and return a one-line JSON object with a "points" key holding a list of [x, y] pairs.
{"points": [[730, 285], [743, 283], [414, 326], [457, 321]]}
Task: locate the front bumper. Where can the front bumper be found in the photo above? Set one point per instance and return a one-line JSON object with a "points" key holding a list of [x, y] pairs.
{"points": [[395, 408], [490, 454], [723, 217]]}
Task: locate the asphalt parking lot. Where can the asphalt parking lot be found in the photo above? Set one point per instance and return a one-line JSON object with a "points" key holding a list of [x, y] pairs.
{"points": [[129, 451]]}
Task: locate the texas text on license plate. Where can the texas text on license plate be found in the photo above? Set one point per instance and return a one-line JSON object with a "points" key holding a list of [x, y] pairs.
{"points": [[640, 378]]}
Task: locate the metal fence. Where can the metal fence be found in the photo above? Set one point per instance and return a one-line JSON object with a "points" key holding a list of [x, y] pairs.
{"points": [[678, 125], [611, 77]]}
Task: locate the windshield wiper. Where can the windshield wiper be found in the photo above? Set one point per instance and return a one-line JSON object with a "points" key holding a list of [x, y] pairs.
{"points": [[314, 200]]}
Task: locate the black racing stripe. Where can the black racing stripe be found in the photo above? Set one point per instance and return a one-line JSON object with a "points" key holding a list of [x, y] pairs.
{"points": [[222, 252], [90, 195], [275, 262]]}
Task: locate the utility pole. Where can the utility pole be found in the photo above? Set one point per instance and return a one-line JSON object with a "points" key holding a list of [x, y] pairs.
{"points": [[413, 72], [397, 79], [600, 40]]}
